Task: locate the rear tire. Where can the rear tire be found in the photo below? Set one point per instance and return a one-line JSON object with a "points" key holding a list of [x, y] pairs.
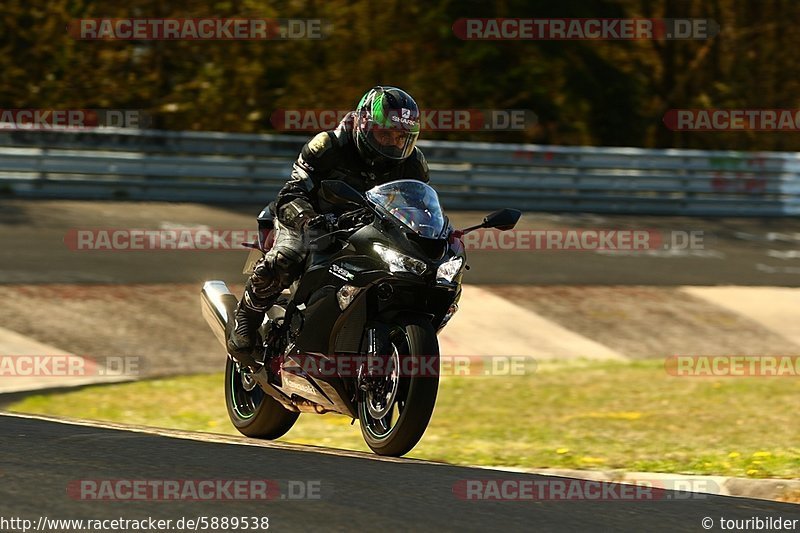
{"points": [[253, 412], [399, 431]]}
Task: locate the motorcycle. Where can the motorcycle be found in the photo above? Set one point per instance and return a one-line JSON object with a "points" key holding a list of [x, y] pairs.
{"points": [[356, 334]]}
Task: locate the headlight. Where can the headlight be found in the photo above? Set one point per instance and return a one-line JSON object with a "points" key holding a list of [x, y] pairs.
{"points": [[398, 262], [448, 270]]}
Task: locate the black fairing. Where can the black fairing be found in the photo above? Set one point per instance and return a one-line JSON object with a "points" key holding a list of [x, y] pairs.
{"points": [[315, 321], [432, 248]]}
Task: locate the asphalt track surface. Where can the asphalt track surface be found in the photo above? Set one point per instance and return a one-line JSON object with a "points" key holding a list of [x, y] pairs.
{"points": [[734, 251], [40, 458]]}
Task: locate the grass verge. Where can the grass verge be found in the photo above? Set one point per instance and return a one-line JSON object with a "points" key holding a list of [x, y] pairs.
{"points": [[589, 415]]}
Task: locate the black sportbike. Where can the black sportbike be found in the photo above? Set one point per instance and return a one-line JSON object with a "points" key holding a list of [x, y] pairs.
{"points": [[356, 335]]}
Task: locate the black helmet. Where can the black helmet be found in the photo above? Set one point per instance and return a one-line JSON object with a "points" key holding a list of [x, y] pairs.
{"points": [[386, 126]]}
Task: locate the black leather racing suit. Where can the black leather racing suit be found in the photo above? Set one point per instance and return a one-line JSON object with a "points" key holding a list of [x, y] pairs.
{"points": [[330, 155]]}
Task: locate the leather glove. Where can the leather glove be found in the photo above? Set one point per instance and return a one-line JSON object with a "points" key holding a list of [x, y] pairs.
{"points": [[318, 224], [315, 233]]}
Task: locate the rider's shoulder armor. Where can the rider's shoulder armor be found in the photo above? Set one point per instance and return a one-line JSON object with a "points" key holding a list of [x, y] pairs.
{"points": [[319, 154], [333, 155]]}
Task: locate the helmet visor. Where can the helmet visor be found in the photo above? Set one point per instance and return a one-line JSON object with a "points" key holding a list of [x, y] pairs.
{"points": [[394, 142]]}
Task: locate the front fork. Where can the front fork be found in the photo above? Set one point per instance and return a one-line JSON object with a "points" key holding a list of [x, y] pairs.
{"points": [[378, 346]]}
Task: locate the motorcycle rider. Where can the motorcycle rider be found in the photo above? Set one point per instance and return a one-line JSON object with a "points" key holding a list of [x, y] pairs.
{"points": [[373, 145]]}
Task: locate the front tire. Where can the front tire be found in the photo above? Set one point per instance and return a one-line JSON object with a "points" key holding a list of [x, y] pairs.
{"points": [[252, 411], [413, 396]]}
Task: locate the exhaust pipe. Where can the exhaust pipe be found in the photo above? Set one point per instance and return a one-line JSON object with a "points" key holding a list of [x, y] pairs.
{"points": [[218, 304]]}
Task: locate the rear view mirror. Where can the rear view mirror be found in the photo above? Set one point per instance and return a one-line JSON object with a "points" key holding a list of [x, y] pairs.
{"points": [[504, 219], [339, 193]]}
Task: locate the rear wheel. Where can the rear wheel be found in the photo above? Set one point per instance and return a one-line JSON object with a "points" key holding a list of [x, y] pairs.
{"points": [[252, 411], [395, 412]]}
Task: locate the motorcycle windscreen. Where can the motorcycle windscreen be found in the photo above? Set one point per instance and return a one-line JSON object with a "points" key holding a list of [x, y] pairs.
{"points": [[413, 203]]}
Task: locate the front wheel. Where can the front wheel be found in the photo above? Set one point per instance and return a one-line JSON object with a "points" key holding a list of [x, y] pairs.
{"points": [[252, 411], [395, 412]]}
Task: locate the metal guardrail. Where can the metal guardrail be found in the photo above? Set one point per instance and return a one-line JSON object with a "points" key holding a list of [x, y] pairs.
{"points": [[242, 168]]}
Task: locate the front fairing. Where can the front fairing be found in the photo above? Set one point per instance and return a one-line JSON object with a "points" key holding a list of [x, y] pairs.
{"points": [[355, 262], [357, 254]]}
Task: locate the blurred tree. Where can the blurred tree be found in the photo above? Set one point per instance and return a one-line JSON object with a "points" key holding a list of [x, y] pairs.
{"points": [[584, 92]]}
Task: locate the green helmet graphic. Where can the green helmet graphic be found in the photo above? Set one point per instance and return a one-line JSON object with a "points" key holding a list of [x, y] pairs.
{"points": [[386, 126]]}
